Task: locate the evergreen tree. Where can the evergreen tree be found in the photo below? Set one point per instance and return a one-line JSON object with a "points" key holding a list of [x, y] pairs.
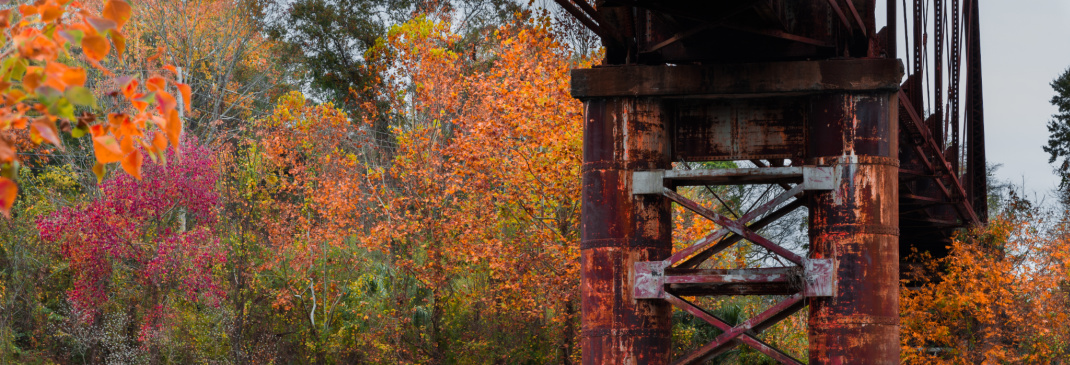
{"points": [[1059, 138]]}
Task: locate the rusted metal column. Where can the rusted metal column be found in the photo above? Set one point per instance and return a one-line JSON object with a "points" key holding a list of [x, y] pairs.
{"points": [[857, 225], [618, 228]]}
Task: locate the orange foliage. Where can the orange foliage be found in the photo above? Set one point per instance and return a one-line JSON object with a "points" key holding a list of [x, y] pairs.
{"points": [[40, 90], [486, 173], [474, 193], [1003, 297]]}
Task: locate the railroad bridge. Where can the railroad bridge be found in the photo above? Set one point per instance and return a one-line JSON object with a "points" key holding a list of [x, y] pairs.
{"points": [[812, 94]]}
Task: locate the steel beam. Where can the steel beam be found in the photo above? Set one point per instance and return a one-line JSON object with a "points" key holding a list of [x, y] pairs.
{"points": [[724, 79]]}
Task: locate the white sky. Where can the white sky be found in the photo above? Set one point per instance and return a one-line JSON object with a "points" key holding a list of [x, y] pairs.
{"points": [[1024, 46]]}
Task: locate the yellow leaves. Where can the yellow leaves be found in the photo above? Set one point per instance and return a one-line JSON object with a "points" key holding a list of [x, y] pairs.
{"points": [[118, 40], [98, 170], [8, 192]]}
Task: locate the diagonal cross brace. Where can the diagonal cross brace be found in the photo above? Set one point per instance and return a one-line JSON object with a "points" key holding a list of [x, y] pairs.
{"points": [[745, 337], [701, 244], [742, 332], [732, 225], [708, 249]]}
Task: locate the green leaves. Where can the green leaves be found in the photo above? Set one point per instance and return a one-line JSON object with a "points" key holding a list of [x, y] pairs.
{"points": [[79, 95]]}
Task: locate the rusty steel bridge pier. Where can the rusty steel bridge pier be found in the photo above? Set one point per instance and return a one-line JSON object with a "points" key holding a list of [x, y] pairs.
{"points": [[841, 125], [857, 226], [619, 229], [813, 97]]}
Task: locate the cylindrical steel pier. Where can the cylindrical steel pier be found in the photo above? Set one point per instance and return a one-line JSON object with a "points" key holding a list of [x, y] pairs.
{"points": [[621, 135], [857, 225]]}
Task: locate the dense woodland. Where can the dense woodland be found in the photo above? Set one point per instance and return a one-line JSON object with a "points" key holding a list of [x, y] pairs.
{"points": [[374, 181]]}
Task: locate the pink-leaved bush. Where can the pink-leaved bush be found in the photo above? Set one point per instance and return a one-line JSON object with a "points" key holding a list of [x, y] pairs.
{"points": [[151, 240]]}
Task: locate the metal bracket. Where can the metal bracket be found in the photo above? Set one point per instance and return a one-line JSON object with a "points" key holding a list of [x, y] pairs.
{"points": [[821, 177], [812, 177], [649, 279], [648, 182], [820, 278]]}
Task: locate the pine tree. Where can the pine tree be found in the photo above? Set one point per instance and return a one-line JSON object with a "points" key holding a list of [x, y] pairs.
{"points": [[1059, 137]]}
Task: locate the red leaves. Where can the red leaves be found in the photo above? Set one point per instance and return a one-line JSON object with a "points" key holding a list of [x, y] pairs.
{"points": [[131, 231]]}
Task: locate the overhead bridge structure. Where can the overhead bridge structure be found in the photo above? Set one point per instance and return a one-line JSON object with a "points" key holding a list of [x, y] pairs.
{"points": [[876, 149]]}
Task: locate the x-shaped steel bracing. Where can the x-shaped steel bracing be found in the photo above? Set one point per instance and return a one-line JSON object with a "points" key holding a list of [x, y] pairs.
{"points": [[678, 276]]}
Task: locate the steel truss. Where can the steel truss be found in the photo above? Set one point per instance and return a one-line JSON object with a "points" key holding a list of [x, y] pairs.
{"points": [[678, 276]]}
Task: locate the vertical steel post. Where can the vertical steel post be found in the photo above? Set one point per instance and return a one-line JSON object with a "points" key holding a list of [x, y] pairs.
{"points": [[857, 225], [618, 228], [976, 167]]}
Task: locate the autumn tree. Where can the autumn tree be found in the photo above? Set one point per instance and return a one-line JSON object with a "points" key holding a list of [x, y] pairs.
{"points": [[481, 200], [143, 248], [1001, 297], [221, 48]]}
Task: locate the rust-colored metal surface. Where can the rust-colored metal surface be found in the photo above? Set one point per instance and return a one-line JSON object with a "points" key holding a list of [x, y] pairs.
{"points": [[857, 225], [792, 86], [619, 229]]}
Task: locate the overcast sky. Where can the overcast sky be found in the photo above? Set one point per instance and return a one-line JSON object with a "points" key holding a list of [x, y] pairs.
{"points": [[1024, 45]]}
